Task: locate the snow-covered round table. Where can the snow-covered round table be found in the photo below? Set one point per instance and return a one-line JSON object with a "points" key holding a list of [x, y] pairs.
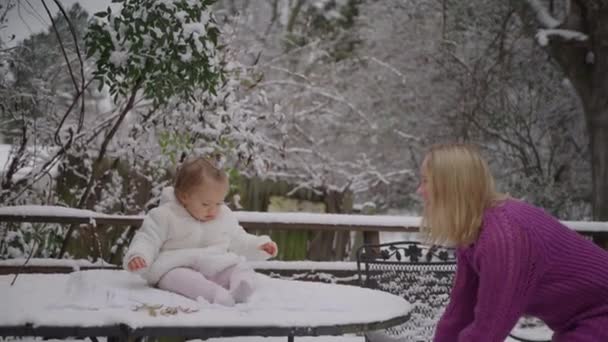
{"points": [[103, 303]]}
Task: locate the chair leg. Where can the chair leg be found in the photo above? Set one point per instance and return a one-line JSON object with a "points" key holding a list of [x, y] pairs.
{"points": [[290, 338]]}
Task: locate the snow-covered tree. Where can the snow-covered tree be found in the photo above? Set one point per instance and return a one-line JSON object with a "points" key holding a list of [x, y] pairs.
{"points": [[332, 96], [352, 111], [516, 105], [166, 89], [574, 35]]}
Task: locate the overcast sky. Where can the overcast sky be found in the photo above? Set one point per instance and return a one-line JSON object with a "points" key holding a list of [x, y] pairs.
{"points": [[29, 16]]}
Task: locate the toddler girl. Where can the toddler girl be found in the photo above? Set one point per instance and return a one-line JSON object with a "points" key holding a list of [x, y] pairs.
{"points": [[193, 245]]}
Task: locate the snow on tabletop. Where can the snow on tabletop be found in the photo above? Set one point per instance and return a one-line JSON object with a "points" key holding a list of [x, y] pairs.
{"points": [[303, 265], [102, 297], [344, 338], [273, 264]]}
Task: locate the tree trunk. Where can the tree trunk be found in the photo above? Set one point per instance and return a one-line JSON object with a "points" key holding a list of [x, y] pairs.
{"points": [[332, 245], [323, 244], [598, 134], [586, 66], [596, 110]]}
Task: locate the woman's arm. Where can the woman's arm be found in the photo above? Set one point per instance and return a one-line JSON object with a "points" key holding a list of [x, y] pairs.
{"points": [[459, 312]]}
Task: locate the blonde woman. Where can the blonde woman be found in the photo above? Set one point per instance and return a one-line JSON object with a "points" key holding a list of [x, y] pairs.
{"points": [[513, 258]]}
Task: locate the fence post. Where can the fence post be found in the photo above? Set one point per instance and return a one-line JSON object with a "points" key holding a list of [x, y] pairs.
{"points": [[601, 239]]}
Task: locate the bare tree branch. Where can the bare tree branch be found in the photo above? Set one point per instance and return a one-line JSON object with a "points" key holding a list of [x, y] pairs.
{"points": [[18, 157], [97, 163], [79, 95], [63, 51], [81, 64], [543, 16]]}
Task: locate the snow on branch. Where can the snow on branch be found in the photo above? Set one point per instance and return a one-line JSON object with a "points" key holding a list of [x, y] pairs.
{"points": [[544, 17], [542, 36]]}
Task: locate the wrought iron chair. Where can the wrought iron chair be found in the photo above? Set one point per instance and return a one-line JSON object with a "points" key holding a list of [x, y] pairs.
{"points": [[421, 274]]}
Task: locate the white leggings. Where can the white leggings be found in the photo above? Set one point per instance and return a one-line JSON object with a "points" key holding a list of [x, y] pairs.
{"points": [[233, 285]]}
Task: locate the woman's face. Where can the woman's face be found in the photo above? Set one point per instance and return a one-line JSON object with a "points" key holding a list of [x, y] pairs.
{"points": [[423, 187]]}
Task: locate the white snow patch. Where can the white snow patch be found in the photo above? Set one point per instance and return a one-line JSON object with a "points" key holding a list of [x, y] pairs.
{"points": [[543, 35]]}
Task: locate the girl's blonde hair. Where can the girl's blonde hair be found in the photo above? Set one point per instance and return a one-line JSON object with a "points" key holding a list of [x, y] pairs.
{"points": [[197, 172], [459, 189]]}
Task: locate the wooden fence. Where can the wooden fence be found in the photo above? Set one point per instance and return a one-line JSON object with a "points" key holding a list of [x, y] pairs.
{"points": [[370, 226]]}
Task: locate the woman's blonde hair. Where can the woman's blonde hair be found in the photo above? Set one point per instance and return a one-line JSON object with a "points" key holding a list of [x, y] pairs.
{"points": [[195, 172], [459, 189]]}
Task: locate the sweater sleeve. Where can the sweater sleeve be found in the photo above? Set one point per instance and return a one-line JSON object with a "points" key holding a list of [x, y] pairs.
{"points": [[508, 268], [248, 245], [149, 238], [459, 312], [243, 243]]}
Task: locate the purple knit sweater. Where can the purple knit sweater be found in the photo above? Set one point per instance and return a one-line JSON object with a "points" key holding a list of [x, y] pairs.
{"points": [[526, 262]]}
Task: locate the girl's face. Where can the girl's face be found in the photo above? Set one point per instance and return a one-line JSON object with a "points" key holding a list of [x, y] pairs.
{"points": [[204, 202], [423, 190]]}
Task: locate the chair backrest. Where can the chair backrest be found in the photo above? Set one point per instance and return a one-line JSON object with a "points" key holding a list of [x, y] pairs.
{"points": [[421, 274]]}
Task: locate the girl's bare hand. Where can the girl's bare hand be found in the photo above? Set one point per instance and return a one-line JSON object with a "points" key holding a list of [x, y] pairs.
{"points": [[136, 263], [270, 248]]}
